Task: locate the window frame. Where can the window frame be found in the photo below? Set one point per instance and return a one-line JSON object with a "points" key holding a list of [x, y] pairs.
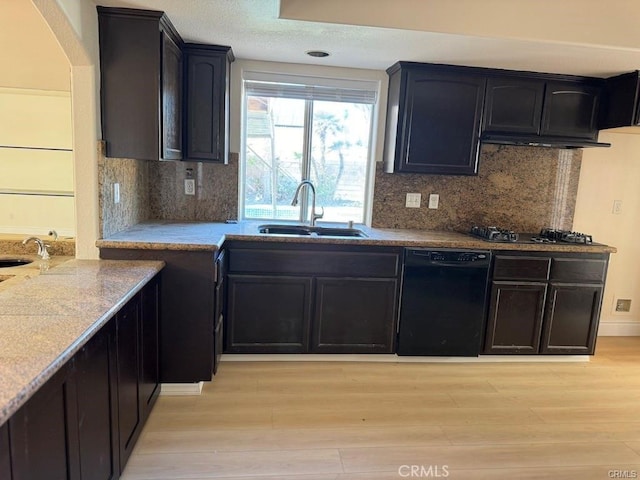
{"points": [[348, 81]]}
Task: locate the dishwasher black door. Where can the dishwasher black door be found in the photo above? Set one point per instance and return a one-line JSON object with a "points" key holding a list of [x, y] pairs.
{"points": [[444, 295]]}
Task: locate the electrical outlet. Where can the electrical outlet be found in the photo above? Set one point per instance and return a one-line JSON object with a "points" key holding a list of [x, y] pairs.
{"points": [[189, 186], [434, 201], [413, 200], [623, 305], [116, 193], [617, 207]]}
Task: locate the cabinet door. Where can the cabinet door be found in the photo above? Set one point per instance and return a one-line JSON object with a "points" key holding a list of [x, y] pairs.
{"points": [[128, 354], [442, 114], [513, 105], [5, 459], [570, 110], [268, 314], [515, 317], [44, 441], [95, 388], [149, 368], [354, 315], [171, 99], [571, 319], [220, 298], [207, 109]]}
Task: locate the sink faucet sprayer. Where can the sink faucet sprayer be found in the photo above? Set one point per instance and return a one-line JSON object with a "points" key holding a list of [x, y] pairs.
{"points": [[294, 202]]}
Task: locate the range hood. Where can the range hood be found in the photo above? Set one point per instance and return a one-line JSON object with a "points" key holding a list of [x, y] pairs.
{"points": [[539, 141]]}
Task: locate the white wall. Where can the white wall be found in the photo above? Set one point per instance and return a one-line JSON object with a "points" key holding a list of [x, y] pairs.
{"points": [[610, 174]]}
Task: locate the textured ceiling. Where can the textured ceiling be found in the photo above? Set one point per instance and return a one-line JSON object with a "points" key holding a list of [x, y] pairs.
{"points": [[253, 29]]}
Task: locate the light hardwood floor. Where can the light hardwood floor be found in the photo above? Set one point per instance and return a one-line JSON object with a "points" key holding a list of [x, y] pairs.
{"points": [[373, 421]]}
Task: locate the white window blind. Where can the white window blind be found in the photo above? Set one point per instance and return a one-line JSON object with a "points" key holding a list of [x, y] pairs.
{"points": [[310, 88]]}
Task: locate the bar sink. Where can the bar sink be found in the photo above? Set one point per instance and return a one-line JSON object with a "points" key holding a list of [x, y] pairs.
{"points": [[280, 229], [13, 262]]}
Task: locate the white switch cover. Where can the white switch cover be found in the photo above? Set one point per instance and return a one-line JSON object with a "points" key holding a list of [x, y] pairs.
{"points": [[434, 200], [189, 186], [617, 207], [413, 200], [116, 193]]}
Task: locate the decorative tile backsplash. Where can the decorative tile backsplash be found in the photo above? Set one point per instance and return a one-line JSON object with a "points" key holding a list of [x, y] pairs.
{"points": [[522, 188]]}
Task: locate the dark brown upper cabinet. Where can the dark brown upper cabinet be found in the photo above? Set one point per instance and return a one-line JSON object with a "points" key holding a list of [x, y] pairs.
{"points": [[571, 110], [141, 76], [513, 105], [433, 119], [621, 101], [539, 109], [207, 102]]}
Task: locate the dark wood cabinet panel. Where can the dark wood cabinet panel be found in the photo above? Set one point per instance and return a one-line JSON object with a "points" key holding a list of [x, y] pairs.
{"points": [[510, 267], [187, 306], [354, 315], [513, 104], [44, 441], [621, 101], [171, 95], [128, 354], [571, 110], [515, 317], [96, 390], [141, 81], [578, 270], [433, 120], [220, 310], [268, 313], [207, 102], [571, 319], [5, 459], [149, 338]]}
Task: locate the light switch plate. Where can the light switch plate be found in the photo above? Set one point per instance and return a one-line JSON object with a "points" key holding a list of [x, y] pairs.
{"points": [[434, 201], [413, 200], [116, 193]]}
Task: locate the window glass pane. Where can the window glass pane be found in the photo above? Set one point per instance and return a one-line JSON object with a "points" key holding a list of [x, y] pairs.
{"points": [[274, 147], [339, 156]]}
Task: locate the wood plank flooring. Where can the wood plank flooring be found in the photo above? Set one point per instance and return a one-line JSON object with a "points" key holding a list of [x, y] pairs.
{"points": [[374, 421]]}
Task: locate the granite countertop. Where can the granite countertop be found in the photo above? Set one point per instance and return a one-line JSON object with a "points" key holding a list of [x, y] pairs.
{"points": [[161, 235], [45, 319]]}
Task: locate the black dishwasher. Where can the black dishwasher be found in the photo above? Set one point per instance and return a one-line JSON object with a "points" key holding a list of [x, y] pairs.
{"points": [[444, 294]]}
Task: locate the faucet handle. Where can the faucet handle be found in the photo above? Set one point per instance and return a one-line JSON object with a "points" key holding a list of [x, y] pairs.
{"points": [[44, 253], [319, 215]]}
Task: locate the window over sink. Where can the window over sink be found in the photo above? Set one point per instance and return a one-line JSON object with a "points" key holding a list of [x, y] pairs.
{"points": [[299, 128]]}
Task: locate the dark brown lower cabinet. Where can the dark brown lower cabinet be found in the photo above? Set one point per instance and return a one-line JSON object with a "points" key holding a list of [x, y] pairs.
{"points": [[270, 313], [515, 317], [297, 298], [96, 391], [354, 315], [571, 319], [545, 303], [84, 421], [128, 352], [44, 434]]}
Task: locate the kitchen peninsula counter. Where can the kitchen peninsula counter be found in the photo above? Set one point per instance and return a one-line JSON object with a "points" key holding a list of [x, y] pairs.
{"points": [[202, 236], [45, 319]]}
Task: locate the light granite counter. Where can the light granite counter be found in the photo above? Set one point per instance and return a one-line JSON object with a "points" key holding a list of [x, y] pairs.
{"points": [[45, 319], [210, 236]]}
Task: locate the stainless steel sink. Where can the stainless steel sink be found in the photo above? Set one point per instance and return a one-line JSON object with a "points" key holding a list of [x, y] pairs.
{"points": [[13, 262], [280, 229]]}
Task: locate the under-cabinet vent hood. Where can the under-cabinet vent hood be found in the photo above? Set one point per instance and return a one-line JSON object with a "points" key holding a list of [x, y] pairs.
{"points": [[538, 141]]}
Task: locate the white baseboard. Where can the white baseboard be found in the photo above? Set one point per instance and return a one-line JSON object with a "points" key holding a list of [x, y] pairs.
{"points": [[181, 388], [392, 358], [619, 329]]}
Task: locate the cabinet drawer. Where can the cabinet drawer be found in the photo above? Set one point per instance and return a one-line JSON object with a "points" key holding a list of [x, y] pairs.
{"points": [[578, 270], [310, 262], [521, 268]]}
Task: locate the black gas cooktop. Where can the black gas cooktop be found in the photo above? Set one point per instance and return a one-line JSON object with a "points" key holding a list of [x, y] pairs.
{"points": [[546, 235]]}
